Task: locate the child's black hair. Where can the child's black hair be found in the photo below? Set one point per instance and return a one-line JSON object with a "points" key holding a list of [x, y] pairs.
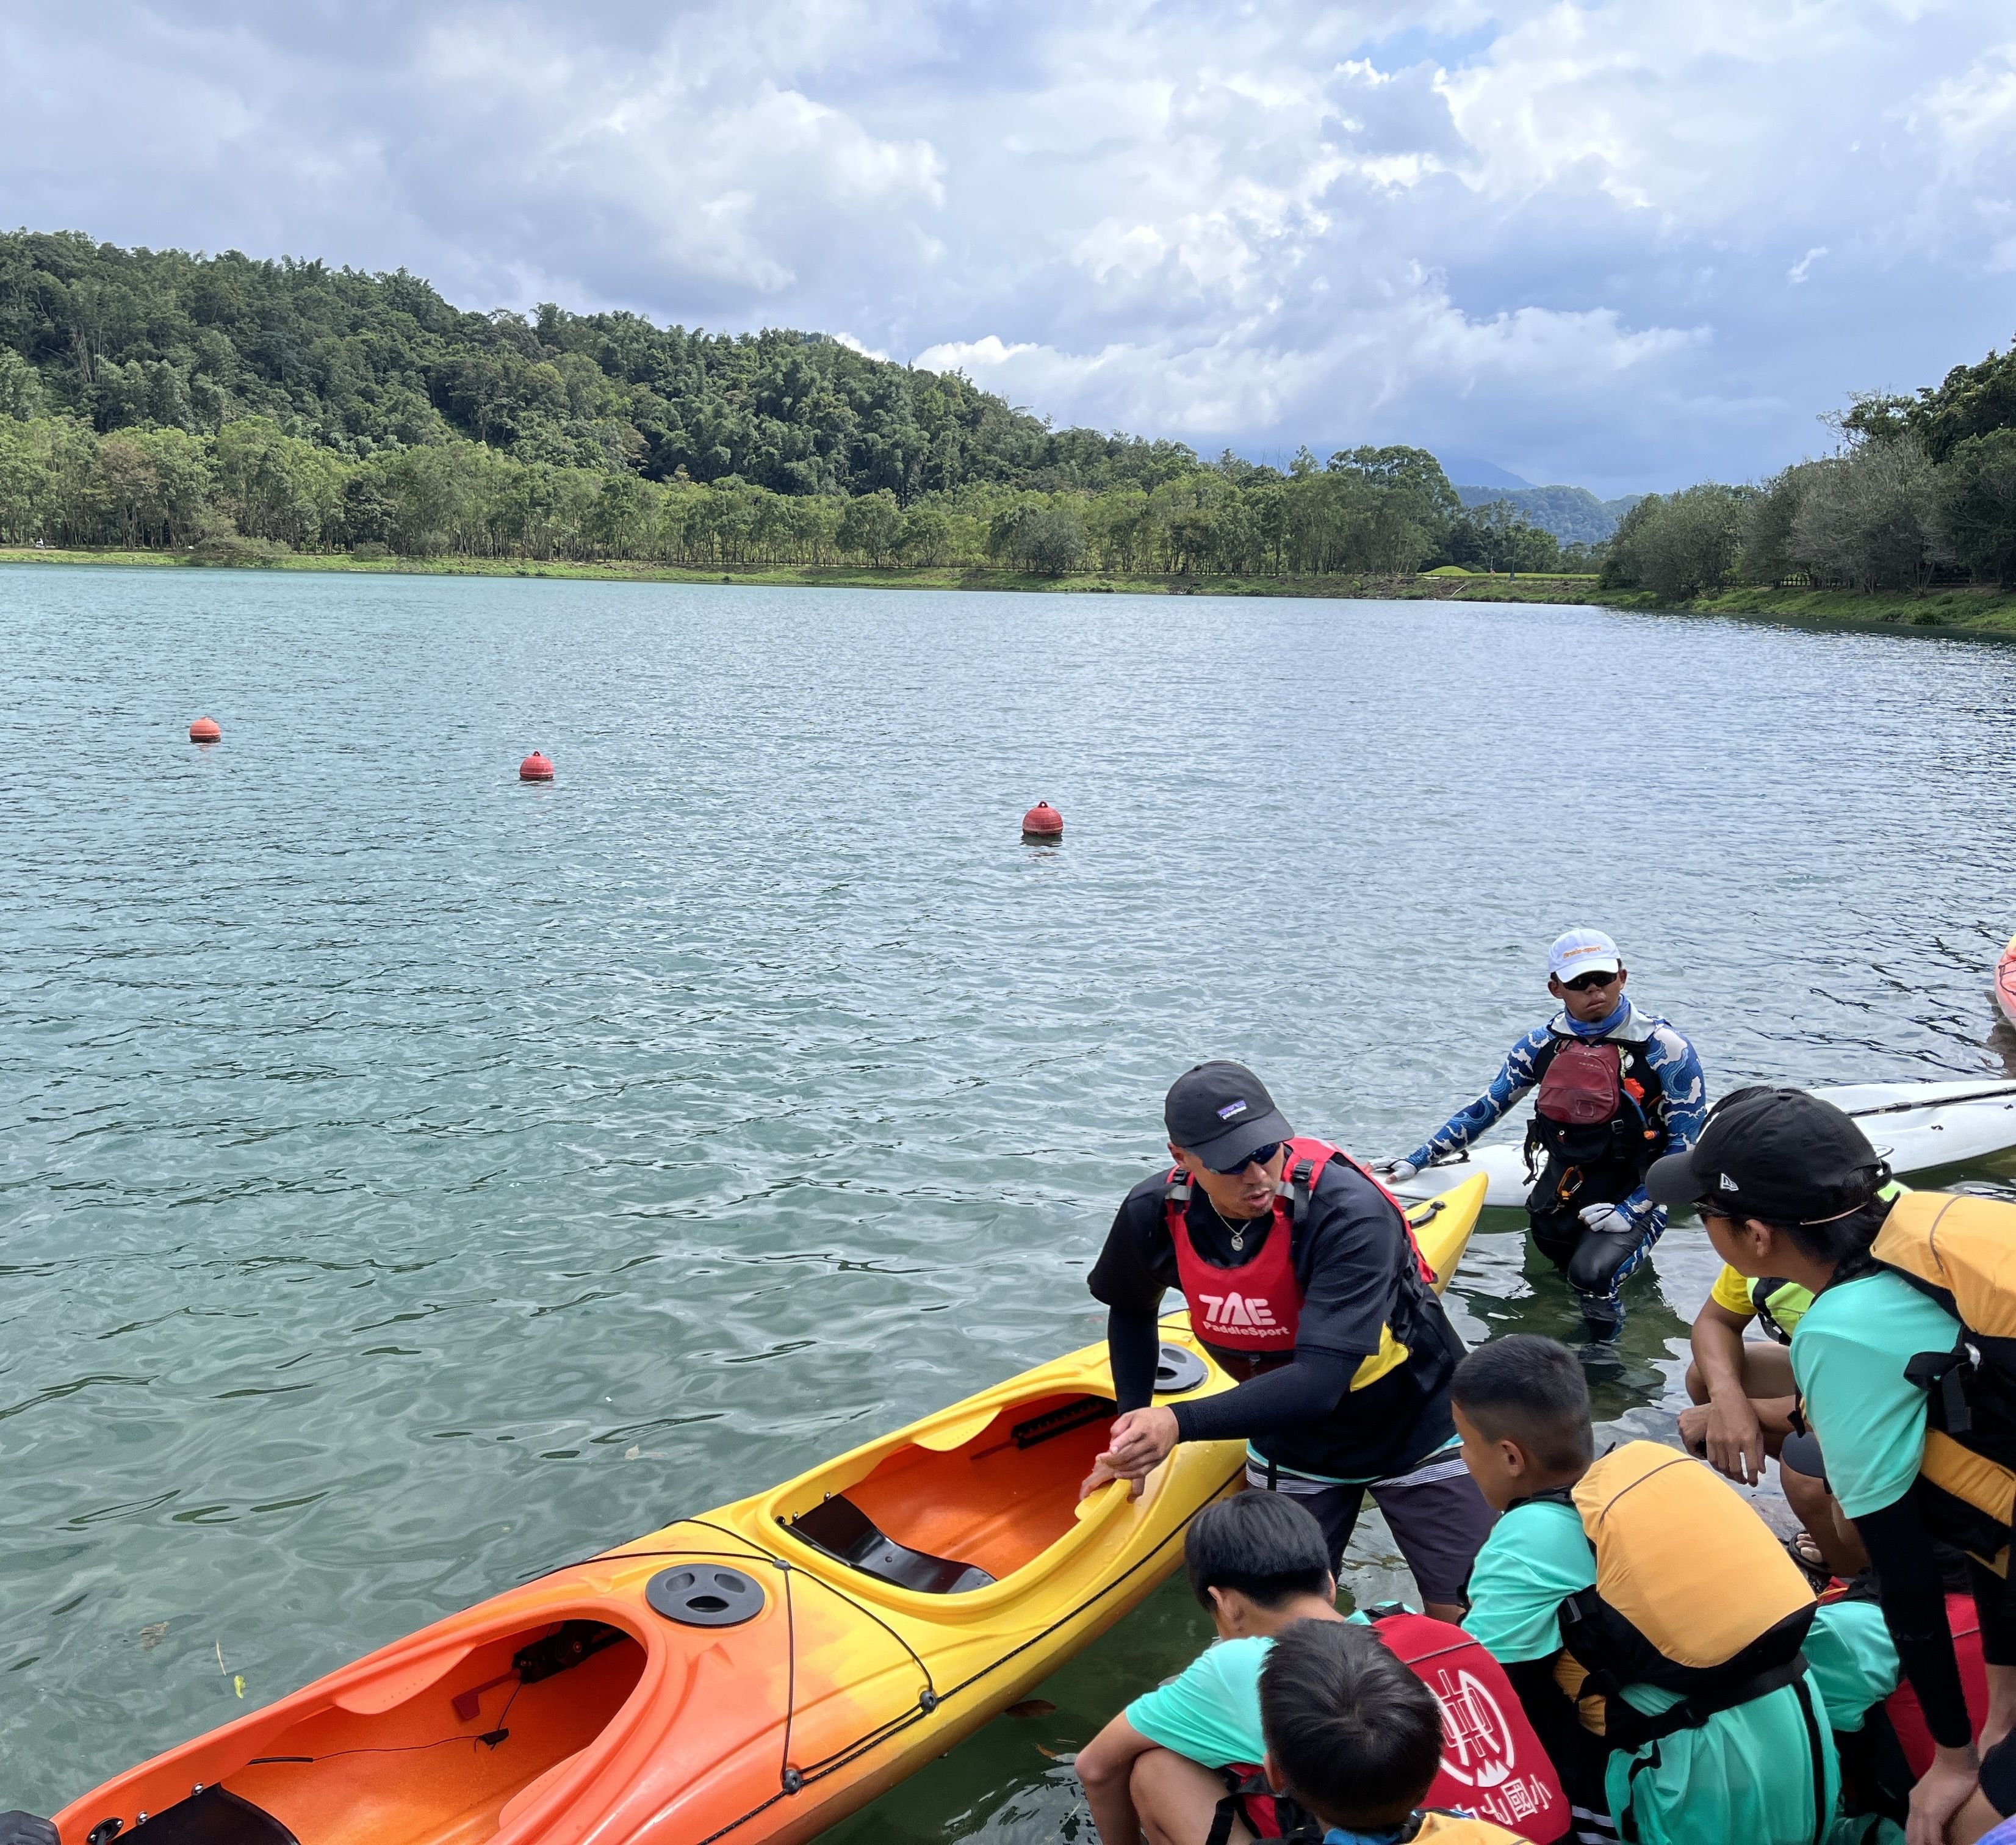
{"points": [[1531, 1390], [1356, 1737], [1263, 1544]]}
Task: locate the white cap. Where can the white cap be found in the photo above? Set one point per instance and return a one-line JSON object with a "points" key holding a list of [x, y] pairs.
{"points": [[1582, 951]]}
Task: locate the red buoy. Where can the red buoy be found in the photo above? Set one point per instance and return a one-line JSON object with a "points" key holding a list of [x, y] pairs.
{"points": [[1043, 822], [536, 767], [205, 730]]}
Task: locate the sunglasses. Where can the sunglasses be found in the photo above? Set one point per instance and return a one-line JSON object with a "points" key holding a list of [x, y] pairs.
{"points": [[1260, 1155], [1584, 983]]}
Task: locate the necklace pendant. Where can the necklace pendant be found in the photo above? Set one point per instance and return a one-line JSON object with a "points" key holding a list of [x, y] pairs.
{"points": [[1238, 1241]]}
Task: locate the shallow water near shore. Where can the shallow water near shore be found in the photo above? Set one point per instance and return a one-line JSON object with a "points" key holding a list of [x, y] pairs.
{"points": [[409, 1179]]}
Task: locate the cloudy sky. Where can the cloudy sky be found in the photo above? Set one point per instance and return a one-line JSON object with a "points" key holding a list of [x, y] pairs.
{"points": [[1625, 243]]}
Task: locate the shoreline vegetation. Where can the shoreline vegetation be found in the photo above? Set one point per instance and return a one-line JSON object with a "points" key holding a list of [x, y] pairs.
{"points": [[217, 410], [1962, 608]]}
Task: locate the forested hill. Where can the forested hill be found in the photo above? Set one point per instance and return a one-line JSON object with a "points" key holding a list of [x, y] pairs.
{"points": [[360, 364], [1573, 514]]}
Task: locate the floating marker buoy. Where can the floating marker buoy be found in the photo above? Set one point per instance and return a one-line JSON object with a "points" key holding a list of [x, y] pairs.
{"points": [[1043, 822], [205, 730], [536, 767]]}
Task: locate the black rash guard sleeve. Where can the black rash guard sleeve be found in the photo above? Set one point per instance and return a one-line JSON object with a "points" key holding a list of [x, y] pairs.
{"points": [[1991, 1603], [1134, 1344], [1305, 1391], [1912, 1589]]}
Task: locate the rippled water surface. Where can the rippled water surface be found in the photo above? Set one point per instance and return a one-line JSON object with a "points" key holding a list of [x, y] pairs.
{"points": [[409, 1178]]}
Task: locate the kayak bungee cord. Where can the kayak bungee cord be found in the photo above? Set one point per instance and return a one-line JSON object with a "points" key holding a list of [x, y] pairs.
{"points": [[928, 1700]]}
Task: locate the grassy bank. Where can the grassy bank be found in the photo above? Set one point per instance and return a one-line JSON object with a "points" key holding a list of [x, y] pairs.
{"points": [[1968, 609]]}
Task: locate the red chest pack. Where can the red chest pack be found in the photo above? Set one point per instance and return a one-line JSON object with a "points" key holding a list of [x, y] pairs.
{"points": [[1256, 1307], [1583, 1086]]}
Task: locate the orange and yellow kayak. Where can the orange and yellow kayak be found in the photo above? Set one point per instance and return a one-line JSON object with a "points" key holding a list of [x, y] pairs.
{"points": [[750, 1674]]}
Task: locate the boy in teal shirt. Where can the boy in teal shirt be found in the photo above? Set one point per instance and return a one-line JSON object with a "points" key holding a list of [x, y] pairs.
{"points": [[1355, 1738], [1256, 1563], [1521, 1407]]}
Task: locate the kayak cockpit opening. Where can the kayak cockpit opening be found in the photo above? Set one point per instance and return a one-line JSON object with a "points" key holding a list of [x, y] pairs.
{"points": [[949, 1520], [438, 1752], [845, 1532]]}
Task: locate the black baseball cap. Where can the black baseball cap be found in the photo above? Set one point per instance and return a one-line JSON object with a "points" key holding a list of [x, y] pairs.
{"points": [[1780, 1155], [1221, 1112]]}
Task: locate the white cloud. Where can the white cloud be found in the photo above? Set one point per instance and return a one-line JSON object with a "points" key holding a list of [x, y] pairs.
{"points": [[1552, 231]]}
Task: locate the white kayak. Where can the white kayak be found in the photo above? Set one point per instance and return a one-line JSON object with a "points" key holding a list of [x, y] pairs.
{"points": [[1914, 1125]]}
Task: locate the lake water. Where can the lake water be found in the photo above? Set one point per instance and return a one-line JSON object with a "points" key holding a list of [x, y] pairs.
{"points": [[409, 1179]]}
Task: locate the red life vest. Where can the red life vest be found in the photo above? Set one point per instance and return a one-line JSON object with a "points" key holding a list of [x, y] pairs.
{"points": [[1256, 1307], [1493, 1765], [1492, 1762]]}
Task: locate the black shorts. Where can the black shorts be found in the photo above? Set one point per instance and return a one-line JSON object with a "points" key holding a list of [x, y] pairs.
{"points": [[1998, 1777], [1801, 1454], [1438, 1517]]}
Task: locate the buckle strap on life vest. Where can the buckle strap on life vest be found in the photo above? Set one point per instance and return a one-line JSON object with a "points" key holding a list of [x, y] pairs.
{"points": [[1627, 1821], [1948, 1370], [1627, 1727]]}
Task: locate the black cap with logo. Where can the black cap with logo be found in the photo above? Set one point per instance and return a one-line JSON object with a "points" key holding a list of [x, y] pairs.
{"points": [[1222, 1112], [1780, 1154]]}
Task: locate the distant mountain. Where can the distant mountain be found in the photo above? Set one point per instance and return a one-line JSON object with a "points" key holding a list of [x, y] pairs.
{"points": [[1573, 514], [1486, 473]]}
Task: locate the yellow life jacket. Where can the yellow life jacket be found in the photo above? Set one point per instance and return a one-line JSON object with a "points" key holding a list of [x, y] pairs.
{"points": [[1693, 1595], [1961, 1251], [1460, 1828]]}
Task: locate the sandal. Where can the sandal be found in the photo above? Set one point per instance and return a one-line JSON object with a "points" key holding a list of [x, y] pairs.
{"points": [[1804, 1549]]}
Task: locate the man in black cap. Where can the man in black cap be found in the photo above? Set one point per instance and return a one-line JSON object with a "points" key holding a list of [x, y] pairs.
{"points": [[1303, 1281]]}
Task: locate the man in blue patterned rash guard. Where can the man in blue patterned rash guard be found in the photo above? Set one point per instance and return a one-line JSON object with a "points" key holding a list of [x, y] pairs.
{"points": [[1618, 1090]]}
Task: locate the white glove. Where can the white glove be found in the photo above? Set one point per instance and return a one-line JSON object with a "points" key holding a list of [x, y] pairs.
{"points": [[1399, 1171], [1600, 1218]]}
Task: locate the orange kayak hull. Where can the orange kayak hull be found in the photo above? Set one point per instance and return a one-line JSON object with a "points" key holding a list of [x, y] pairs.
{"points": [[752, 1675]]}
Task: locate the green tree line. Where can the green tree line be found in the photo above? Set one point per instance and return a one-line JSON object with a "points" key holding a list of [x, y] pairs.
{"points": [[161, 400], [1921, 490]]}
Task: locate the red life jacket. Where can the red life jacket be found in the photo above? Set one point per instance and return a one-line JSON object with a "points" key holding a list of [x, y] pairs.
{"points": [[1492, 1762], [1256, 1307], [1493, 1765]]}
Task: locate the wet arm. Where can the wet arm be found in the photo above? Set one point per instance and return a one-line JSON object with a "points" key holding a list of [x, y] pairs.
{"points": [[1685, 1090], [1515, 1077]]}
